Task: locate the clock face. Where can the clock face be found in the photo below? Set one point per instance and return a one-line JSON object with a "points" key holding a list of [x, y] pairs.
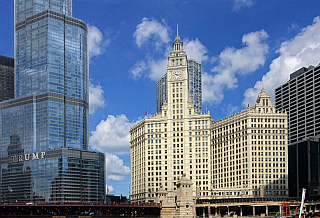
{"points": [[176, 75]]}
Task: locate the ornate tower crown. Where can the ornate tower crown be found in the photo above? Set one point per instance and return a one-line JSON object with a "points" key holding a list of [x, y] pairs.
{"points": [[177, 44]]}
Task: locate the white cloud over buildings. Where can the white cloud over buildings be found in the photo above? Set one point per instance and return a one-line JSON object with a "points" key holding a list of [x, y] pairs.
{"points": [[158, 33], [151, 28], [96, 98], [302, 50], [195, 50], [109, 189], [115, 169], [112, 135], [94, 41], [233, 62]]}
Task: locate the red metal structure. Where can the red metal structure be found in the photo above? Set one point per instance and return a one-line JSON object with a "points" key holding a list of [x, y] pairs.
{"points": [[285, 207], [75, 210]]}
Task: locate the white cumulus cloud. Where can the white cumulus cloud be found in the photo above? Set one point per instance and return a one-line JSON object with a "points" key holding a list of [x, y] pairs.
{"points": [[138, 69], [112, 135], [302, 50], [116, 171], [109, 189], [157, 68], [94, 41], [96, 98], [157, 33], [195, 50], [151, 28], [153, 69], [234, 61], [229, 109], [240, 4]]}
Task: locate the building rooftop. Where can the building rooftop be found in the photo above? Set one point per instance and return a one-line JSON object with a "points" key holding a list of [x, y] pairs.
{"points": [[6, 61]]}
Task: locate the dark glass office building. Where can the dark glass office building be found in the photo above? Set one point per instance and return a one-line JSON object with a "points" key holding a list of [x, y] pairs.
{"points": [[304, 168], [44, 131], [6, 78], [300, 98]]}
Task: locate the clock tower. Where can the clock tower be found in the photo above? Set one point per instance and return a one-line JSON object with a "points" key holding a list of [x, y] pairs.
{"points": [[177, 71], [173, 142]]}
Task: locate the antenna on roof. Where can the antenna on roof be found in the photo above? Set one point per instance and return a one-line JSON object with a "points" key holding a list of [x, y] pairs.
{"points": [[177, 29]]}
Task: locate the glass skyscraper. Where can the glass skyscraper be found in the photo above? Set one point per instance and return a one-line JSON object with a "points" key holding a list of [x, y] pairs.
{"points": [[6, 78], [44, 152], [195, 86]]}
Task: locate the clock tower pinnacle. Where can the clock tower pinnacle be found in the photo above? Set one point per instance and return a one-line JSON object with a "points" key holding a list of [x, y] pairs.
{"points": [[177, 79]]}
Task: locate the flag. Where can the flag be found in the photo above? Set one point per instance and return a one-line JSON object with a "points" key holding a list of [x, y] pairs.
{"points": [[9, 189], [25, 195], [207, 108], [59, 189], [85, 189], [149, 190], [146, 113]]}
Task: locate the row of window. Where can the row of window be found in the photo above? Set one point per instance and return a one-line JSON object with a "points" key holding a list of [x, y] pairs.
{"points": [[267, 120], [177, 61]]}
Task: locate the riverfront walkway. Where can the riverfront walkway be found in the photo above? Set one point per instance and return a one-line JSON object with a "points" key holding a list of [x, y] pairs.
{"points": [[242, 207]]}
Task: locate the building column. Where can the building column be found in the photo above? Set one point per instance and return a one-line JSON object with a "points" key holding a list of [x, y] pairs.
{"points": [[253, 211], [216, 211], [209, 210], [280, 209], [267, 210], [241, 211], [204, 211], [219, 211], [228, 211]]}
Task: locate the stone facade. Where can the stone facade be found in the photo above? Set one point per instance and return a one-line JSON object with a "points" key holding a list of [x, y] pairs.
{"points": [[171, 143], [250, 152], [182, 205], [243, 155]]}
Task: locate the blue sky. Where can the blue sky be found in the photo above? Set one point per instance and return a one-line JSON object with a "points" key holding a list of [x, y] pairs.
{"points": [[241, 43]]}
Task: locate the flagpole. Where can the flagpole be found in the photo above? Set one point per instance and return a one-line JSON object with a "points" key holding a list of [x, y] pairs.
{"points": [[107, 194], [302, 201]]}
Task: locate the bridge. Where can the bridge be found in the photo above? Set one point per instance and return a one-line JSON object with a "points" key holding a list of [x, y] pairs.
{"points": [[79, 210]]}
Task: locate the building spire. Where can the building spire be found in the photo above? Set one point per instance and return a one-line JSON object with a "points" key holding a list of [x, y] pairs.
{"points": [[177, 29], [262, 89], [177, 44]]}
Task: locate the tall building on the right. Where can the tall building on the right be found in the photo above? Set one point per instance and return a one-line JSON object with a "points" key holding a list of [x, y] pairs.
{"points": [[300, 98]]}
